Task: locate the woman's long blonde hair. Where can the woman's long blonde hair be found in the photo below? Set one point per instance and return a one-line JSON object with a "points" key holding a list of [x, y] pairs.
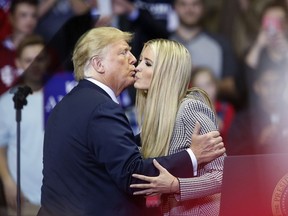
{"points": [[157, 108]]}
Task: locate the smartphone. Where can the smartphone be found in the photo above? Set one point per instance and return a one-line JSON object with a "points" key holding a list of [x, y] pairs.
{"points": [[105, 7], [272, 25]]}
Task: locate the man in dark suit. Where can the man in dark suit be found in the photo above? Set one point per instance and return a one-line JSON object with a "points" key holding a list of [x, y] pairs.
{"points": [[90, 152]]}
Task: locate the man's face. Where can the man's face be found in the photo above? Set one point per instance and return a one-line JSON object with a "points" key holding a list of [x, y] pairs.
{"points": [[190, 12], [118, 63], [24, 18], [35, 61]]}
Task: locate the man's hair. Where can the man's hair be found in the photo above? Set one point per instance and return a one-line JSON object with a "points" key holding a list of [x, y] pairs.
{"points": [[157, 109], [29, 41], [15, 3], [94, 42]]}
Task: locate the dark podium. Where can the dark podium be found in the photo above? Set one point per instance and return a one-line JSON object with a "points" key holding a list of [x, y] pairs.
{"points": [[255, 185]]}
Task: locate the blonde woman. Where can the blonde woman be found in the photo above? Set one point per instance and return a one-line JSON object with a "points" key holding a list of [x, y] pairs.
{"points": [[167, 113]]}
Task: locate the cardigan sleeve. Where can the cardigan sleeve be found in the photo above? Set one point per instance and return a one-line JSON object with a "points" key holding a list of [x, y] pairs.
{"points": [[209, 177]]}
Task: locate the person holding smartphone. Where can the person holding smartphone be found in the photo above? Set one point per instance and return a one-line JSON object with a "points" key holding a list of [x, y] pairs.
{"points": [[271, 43]]}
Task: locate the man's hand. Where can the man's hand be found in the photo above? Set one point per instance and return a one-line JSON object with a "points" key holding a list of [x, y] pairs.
{"points": [[208, 146]]}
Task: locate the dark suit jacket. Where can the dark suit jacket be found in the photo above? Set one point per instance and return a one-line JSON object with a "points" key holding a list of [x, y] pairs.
{"points": [[90, 153]]}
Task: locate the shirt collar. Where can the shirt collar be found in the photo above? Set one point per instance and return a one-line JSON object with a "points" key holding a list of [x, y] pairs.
{"points": [[105, 88]]}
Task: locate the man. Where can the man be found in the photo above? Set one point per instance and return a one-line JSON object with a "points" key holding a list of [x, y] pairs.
{"points": [[90, 152]]}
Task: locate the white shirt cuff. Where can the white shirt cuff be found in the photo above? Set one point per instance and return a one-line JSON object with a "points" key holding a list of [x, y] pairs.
{"points": [[193, 160]]}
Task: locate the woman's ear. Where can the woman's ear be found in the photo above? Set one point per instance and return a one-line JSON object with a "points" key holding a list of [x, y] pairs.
{"points": [[97, 64]]}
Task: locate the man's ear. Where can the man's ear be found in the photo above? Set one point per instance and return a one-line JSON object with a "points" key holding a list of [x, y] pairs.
{"points": [[97, 64]]}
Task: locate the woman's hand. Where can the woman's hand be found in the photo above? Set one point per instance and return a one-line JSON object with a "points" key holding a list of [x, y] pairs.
{"points": [[163, 183]]}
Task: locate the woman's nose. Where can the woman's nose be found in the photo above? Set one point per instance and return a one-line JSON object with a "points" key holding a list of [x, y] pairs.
{"points": [[137, 69]]}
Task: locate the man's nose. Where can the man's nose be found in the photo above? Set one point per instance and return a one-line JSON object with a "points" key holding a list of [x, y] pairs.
{"points": [[133, 60]]}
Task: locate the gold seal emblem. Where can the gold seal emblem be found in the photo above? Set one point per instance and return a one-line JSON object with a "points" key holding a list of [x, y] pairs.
{"points": [[280, 197]]}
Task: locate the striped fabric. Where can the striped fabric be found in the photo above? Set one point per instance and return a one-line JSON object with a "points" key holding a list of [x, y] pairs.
{"points": [[199, 195]]}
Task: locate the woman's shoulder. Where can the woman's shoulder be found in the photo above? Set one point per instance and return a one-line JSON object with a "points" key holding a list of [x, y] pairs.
{"points": [[192, 111], [194, 108], [191, 104]]}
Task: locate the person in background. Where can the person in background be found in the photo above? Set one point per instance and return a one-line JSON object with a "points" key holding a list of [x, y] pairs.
{"points": [[243, 24], [269, 47], [5, 26], [207, 50], [47, 90], [90, 152], [147, 19], [271, 43], [167, 117], [53, 14], [32, 133], [264, 122], [204, 78], [23, 17]]}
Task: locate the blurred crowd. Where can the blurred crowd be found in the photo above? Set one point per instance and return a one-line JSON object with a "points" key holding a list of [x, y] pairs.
{"points": [[239, 51]]}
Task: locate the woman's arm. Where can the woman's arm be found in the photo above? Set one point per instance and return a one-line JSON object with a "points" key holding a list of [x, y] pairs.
{"points": [[209, 177]]}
